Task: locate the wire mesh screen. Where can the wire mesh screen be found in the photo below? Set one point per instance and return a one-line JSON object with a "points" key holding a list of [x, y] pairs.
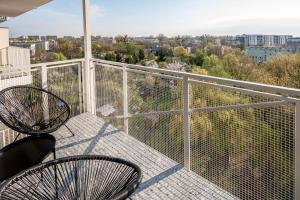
{"points": [[203, 96], [241, 141], [36, 78], [109, 90], [13, 77], [247, 151], [162, 132], [155, 104], [66, 83], [150, 94], [7, 135]]}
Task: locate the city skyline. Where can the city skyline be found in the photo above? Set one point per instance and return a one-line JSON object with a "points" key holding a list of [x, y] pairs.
{"points": [[136, 18]]}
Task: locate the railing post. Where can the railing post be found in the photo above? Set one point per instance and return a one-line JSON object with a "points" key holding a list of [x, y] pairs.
{"points": [[44, 77], [93, 87], [88, 69], [80, 87], [125, 99], [186, 123], [45, 87], [297, 150], [83, 82]]}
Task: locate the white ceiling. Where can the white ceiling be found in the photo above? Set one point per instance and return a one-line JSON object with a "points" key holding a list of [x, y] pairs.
{"points": [[13, 8]]}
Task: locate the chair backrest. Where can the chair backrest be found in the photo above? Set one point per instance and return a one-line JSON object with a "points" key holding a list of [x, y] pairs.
{"points": [[77, 177], [32, 110], [24, 153]]}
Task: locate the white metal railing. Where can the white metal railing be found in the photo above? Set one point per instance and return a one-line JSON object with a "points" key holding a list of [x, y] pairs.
{"points": [[269, 103], [196, 120], [64, 78]]}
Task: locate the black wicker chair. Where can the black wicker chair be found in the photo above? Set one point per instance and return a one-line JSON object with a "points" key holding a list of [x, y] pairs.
{"points": [[32, 111], [24, 154], [77, 177]]}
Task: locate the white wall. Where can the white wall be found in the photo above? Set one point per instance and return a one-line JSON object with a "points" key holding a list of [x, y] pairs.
{"points": [[4, 41], [18, 57], [14, 57]]}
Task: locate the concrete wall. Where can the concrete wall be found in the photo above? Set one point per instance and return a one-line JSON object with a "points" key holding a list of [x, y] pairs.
{"points": [[4, 41], [14, 57]]}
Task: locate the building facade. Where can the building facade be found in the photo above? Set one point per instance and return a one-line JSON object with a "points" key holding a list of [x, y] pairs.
{"points": [[293, 45], [265, 40], [32, 46], [12, 56], [4, 34], [262, 54]]}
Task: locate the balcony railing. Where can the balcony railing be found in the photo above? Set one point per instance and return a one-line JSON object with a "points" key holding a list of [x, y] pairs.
{"points": [[242, 136]]}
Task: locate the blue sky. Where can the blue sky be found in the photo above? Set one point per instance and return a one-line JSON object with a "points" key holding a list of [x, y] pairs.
{"points": [[170, 17]]}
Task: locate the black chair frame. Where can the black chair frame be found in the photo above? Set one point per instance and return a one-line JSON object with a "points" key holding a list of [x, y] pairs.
{"points": [[65, 167], [33, 132], [13, 163]]}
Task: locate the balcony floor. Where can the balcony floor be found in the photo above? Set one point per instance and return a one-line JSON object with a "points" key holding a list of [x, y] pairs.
{"points": [[163, 178]]}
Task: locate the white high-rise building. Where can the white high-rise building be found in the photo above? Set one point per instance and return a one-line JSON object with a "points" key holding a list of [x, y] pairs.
{"points": [[265, 40]]}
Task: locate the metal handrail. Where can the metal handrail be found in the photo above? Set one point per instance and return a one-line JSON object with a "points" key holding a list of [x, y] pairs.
{"points": [[226, 81]]}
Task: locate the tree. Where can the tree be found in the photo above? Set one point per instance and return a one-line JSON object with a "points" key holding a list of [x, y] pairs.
{"points": [[141, 54], [51, 57], [96, 50], [132, 49], [213, 49], [219, 71], [199, 57], [283, 70], [180, 52], [211, 61], [237, 64], [70, 48], [122, 39], [130, 60], [110, 56], [164, 52], [200, 71], [161, 38]]}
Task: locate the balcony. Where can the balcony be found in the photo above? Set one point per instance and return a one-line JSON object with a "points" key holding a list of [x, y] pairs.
{"points": [[194, 136]]}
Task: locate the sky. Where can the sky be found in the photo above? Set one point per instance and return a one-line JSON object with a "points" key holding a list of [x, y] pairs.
{"points": [[169, 17]]}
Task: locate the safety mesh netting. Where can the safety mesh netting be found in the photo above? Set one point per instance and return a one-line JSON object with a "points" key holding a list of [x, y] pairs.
{"points": [[241, 140]]}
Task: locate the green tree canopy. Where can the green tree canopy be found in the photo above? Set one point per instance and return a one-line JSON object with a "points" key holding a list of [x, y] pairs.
{"points": [[180, 52]]}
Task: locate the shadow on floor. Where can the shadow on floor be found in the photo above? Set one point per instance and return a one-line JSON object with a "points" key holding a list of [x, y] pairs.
{"points": [[93, 140], [159, 177]]}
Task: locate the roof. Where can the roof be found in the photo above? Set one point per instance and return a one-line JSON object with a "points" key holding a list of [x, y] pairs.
{"points": [[13, 8]]}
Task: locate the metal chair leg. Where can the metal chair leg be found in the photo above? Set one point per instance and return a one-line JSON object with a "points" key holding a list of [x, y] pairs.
{"points": [[70, 130], [54, 154], [55, 174], [16, 137]]}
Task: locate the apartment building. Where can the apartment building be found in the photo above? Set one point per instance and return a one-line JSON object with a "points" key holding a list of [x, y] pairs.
{"points": [[32, 46], [262, 54], [9, 55], [293, 45], [3, 18], [265, 40], [4, 42]]}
